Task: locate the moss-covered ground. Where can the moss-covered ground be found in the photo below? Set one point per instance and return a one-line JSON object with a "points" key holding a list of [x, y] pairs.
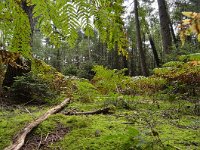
{"points": [[136, 123]]}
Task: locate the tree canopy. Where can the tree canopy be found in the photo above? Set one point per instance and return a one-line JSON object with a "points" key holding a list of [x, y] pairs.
{"points": [[59, 21]]}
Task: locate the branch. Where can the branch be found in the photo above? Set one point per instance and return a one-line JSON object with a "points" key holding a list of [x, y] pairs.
{"points": [[19, 141], [99, 111]]}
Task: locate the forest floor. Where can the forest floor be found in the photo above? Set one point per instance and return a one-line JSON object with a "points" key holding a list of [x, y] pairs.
{"points": [[135, 122]]}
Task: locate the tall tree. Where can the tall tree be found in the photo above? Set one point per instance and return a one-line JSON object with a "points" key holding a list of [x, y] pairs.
{"points": [[165, 26], [139, 40]]}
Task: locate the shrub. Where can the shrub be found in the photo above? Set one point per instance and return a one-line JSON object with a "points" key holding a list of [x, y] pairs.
{"points": [[70, 70], [107, 80], [85, 91], [190, 57], [30, 88], [173, 64], [148, 85], [185, 74], [83, 71], [114, 81]]}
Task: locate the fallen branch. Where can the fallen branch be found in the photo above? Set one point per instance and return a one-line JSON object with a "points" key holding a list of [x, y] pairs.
{"points": [[19, 141], [99, 111]]}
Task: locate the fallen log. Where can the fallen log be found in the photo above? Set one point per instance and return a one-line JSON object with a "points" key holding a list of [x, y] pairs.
{"points": [[19, 141], [106, 110]]}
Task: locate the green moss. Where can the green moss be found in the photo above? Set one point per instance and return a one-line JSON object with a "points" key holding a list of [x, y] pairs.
{"points": [[11, 122], [173, 135], [102, 132]]}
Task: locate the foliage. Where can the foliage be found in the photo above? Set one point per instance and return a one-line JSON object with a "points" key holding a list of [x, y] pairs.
{"points": [[10, 58], [107, 80], [190, 57], [189, 26], [187, 73], [59, 21], [148, 85], [30, 88], [183, 75], [83, 71], [56, 81], [85, 91], [173, 64], [15, 27], [70, 70]]}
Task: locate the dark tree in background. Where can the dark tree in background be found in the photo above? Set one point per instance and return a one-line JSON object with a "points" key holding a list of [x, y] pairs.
{"points": [[165, 26], [139, 41]]}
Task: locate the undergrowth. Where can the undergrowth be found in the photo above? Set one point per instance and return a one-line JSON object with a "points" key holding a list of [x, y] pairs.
{"points": [[156, 113]]}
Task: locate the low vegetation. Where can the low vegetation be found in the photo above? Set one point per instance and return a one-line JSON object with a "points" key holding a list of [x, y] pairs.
{"points": [[157, 112]]}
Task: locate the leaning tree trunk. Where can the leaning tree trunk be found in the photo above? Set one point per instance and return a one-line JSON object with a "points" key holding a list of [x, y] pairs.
{"points": [[139, 41], [165, 26], [155, 54], [12, 71]]}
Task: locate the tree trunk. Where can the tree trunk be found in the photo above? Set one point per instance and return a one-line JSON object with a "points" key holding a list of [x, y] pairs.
{"points": [[115, 58], [165, 26], [157, 60], [29, 11], [58, 60], [139, 41], [173, 34], [132, 64]]}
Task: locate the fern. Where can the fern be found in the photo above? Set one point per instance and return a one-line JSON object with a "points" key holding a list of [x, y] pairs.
{"points": [[15, 27], [60, 20]]}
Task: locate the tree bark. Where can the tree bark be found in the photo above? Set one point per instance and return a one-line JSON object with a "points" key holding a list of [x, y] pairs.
{"points": [[165, 26], [19, 141], [157, 60], [173, 34], [139, 41], [29, 11]]}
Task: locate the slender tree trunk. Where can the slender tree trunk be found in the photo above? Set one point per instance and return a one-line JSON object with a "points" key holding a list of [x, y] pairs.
{"points": [[58, 61], [115, 58], [173, 34], [125, 64], [139, 41], [132, 69], [157, 60], [165, 26], [29, 11]]}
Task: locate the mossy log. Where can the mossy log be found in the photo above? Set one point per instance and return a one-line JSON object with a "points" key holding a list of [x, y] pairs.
{"points": [[19, 141]]}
